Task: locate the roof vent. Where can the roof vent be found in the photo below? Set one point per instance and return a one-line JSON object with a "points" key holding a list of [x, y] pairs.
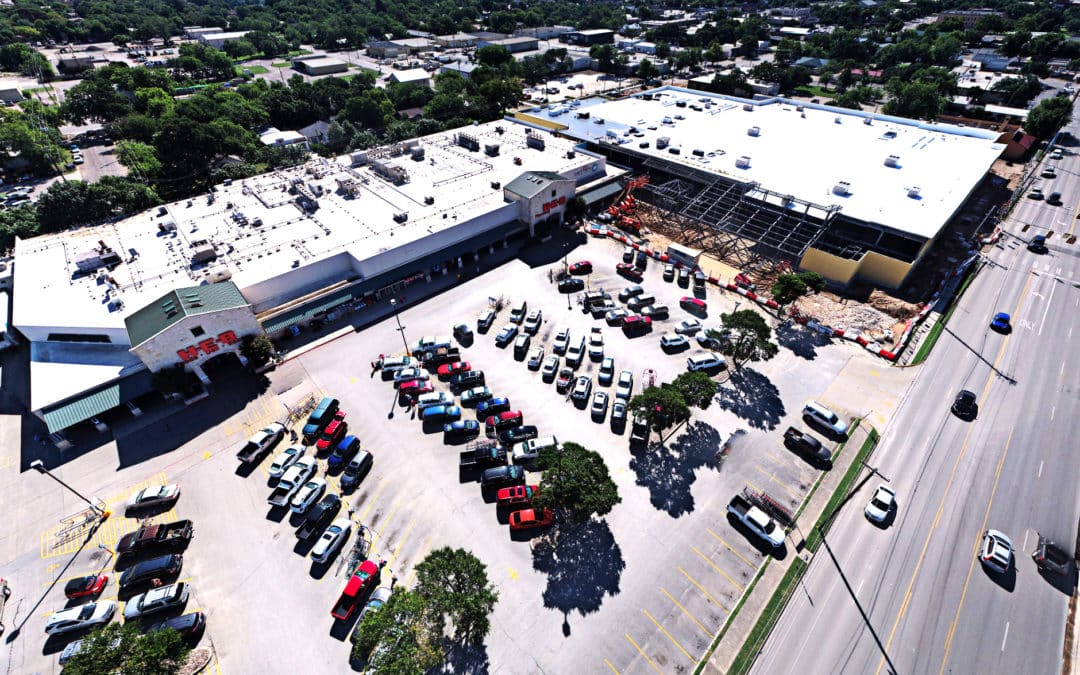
{"points": [[842, 188], [743, 162], [754, 131], [748, 107], [914, 193], [838, 120], [867, 121], [799, 108], [892, 161]]}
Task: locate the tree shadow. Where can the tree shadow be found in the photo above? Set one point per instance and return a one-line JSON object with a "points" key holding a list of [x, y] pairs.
{"points": [[803, 342], [669, 470], [582, 564], [463, 657], [753, 397]]}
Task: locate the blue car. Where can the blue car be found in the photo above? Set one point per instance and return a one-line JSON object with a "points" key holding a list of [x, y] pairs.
{"points": [[441, 413], [461, 428], [1001, 323], [343, 451], [492, 406]]}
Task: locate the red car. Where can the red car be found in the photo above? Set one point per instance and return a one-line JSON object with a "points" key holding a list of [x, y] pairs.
{"points": [[504, 420], [415, 388], [333, 432], [528, 518], [629, 271], [448, 369], [517, 494], [581, 267], [635, 323], [692, 304], [354, 590], [85, 586]]}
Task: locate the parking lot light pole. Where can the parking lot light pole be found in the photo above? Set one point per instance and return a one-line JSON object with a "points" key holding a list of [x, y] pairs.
{"points": [[400, 328], [39, 466]]}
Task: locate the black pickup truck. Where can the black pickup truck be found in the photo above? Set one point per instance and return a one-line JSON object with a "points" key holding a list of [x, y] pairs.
{"points": [[483, 455], [155, 539]]}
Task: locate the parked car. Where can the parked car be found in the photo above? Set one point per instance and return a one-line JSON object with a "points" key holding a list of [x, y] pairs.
{"points": [[550, 367], [694, 305], [309, 493], [688, 327], [84, 587], [625, 385], [504, 420], [820, 416], [708, 361], [415, 388], [407, 374], [461, 429], [516, 494], [189, 626], [156, 600], [286, 459], [636, 325], [533, 321], [521, 346], [582, 388], [673, 342], [379, 597], [333, 433], [536, 357], [81, 617], [596, 344], [640, 302], [561, 341], [564, 381], [484, 321], [669, 272], [615, 317], [471, 378], [629, 271], [517, 434], [581, 267], [492, 406], [530, 518], [462, 333], [355, 588], [599, 405], [331, 540], [475, 396], [142, 573], [606, 373], [343, 451], [618, 412], [319, 517], [357, 468], [154, 496], [630, 292], [453, 368], [571, 285], [710, 343], [684, 277], [502, 475], [506, 335], [655, 312]]}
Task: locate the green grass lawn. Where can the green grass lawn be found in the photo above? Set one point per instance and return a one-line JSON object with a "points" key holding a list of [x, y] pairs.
{"points": [[257, 70], [813, 90], [281, 64]]}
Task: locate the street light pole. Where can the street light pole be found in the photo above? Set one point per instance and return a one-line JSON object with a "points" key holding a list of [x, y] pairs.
{"points": [[39, 466], [400, 328]]}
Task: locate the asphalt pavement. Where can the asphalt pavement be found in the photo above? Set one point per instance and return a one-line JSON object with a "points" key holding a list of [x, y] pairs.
{"points": [[913, 596]]}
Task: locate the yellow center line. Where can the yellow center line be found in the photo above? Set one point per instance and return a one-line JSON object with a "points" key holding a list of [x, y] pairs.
{"points": [[643, 654], [717, 568], [373, 499], [975, 553], [948, 487], [669, 636], [685, 611], [613, 669], [729, 547], [702, 589]]}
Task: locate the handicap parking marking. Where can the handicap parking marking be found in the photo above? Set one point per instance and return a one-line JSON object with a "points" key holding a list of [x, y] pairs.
{"points": [[686, 612], [669, 636], [642, 652]]}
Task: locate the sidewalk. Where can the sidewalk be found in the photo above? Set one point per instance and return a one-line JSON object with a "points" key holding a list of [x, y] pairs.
{"points": [[757, 595], [948, 294]]}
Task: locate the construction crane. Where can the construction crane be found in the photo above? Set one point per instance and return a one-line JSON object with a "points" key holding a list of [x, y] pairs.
{"points": [[625, 204]]}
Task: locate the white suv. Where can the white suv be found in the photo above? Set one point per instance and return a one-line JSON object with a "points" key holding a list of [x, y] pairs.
{"points": [[706, 361], [997, 551], [575, 353], [823, 417], [582, 388], [625, 386], [561, 342]]}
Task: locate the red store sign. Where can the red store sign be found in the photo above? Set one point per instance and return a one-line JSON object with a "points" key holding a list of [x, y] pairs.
{"points": [[554, 203], [207, 346]]}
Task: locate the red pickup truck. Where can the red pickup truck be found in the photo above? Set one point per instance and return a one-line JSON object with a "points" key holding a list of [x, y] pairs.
{"points": [[354, 590]]}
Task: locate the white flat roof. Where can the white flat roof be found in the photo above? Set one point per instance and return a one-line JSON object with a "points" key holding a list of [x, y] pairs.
{"points": [[50, 293], [805, 154], [59, 370]]}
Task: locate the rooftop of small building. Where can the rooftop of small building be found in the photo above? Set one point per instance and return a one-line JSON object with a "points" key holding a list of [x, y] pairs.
{"points": [[258, 232], [799, 149]]}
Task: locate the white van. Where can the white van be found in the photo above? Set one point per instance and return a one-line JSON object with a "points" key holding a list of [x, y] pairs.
{"points": [[529, 450], [518, 310], [392, 364], [818, 414], [434, 398]]}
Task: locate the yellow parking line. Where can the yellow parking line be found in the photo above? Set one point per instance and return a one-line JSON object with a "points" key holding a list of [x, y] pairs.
{"points": [[373, 499], [778, 482], [717, 568], [401, 543], [613, 669], [376, 535], [685, 611], [729, 547], [424, 551], [669, 637], [775, 458], [643, 654], [702, 589], [753, 487]]}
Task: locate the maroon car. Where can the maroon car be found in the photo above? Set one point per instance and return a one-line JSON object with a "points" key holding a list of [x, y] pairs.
{"points": [[629, 271]]}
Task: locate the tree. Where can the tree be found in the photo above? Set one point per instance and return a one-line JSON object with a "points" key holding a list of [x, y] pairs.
{"points": [[493, 55], [813, 281], [647, 71], [123, 648], [605, 57], [1050, 115], [403, 625], [744, 336], [139, 158], [257, 349], [662, 408], [455, 584], [1017, 91], [696, 388], [576, 483], [19, 222], [787, 288], [917, 100]]}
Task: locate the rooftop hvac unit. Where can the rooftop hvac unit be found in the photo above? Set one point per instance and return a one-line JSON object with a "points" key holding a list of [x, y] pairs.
{"points": [[838, 120], [570, 154], [429, 200], [743, 162], [359, 158], [867, 121], [219, 274], [892, 161], [747, 107], [753, 131], [496, 185], [842, 189], [491, 149], [662, 142], [799, 108], [417, 153], [914, 192], [203, 253], [400, 217]]}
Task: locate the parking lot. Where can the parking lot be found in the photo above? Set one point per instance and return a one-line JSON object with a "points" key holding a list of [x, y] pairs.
{"points": [[642, 590]]}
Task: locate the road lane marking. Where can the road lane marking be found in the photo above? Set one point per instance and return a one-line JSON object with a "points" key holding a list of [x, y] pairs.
{"points": [[975, 554], [1047, 309], [945, 494], [1053, 409], [669, 637], [717, 568], [1024, 547], [1040, 468], [643, 654], [613, 669], [729, 547], [685, 612], [705, 592], [1005, 637]]}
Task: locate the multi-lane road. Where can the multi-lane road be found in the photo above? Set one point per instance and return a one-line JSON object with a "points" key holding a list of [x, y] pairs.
{"points": [[913, 597]]}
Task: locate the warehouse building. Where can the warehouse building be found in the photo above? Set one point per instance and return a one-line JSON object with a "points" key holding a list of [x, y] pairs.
{"points": [[319, 65], [848, 194], [218, 40], [183, 285]]}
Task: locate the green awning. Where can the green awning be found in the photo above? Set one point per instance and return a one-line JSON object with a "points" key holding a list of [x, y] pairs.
{"points": [[307, 312], [602, 192], [97, 401]]}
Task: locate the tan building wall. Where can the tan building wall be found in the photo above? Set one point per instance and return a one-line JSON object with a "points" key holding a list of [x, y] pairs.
{"points": [[873, 267], [832, 267], [218, 332]]}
